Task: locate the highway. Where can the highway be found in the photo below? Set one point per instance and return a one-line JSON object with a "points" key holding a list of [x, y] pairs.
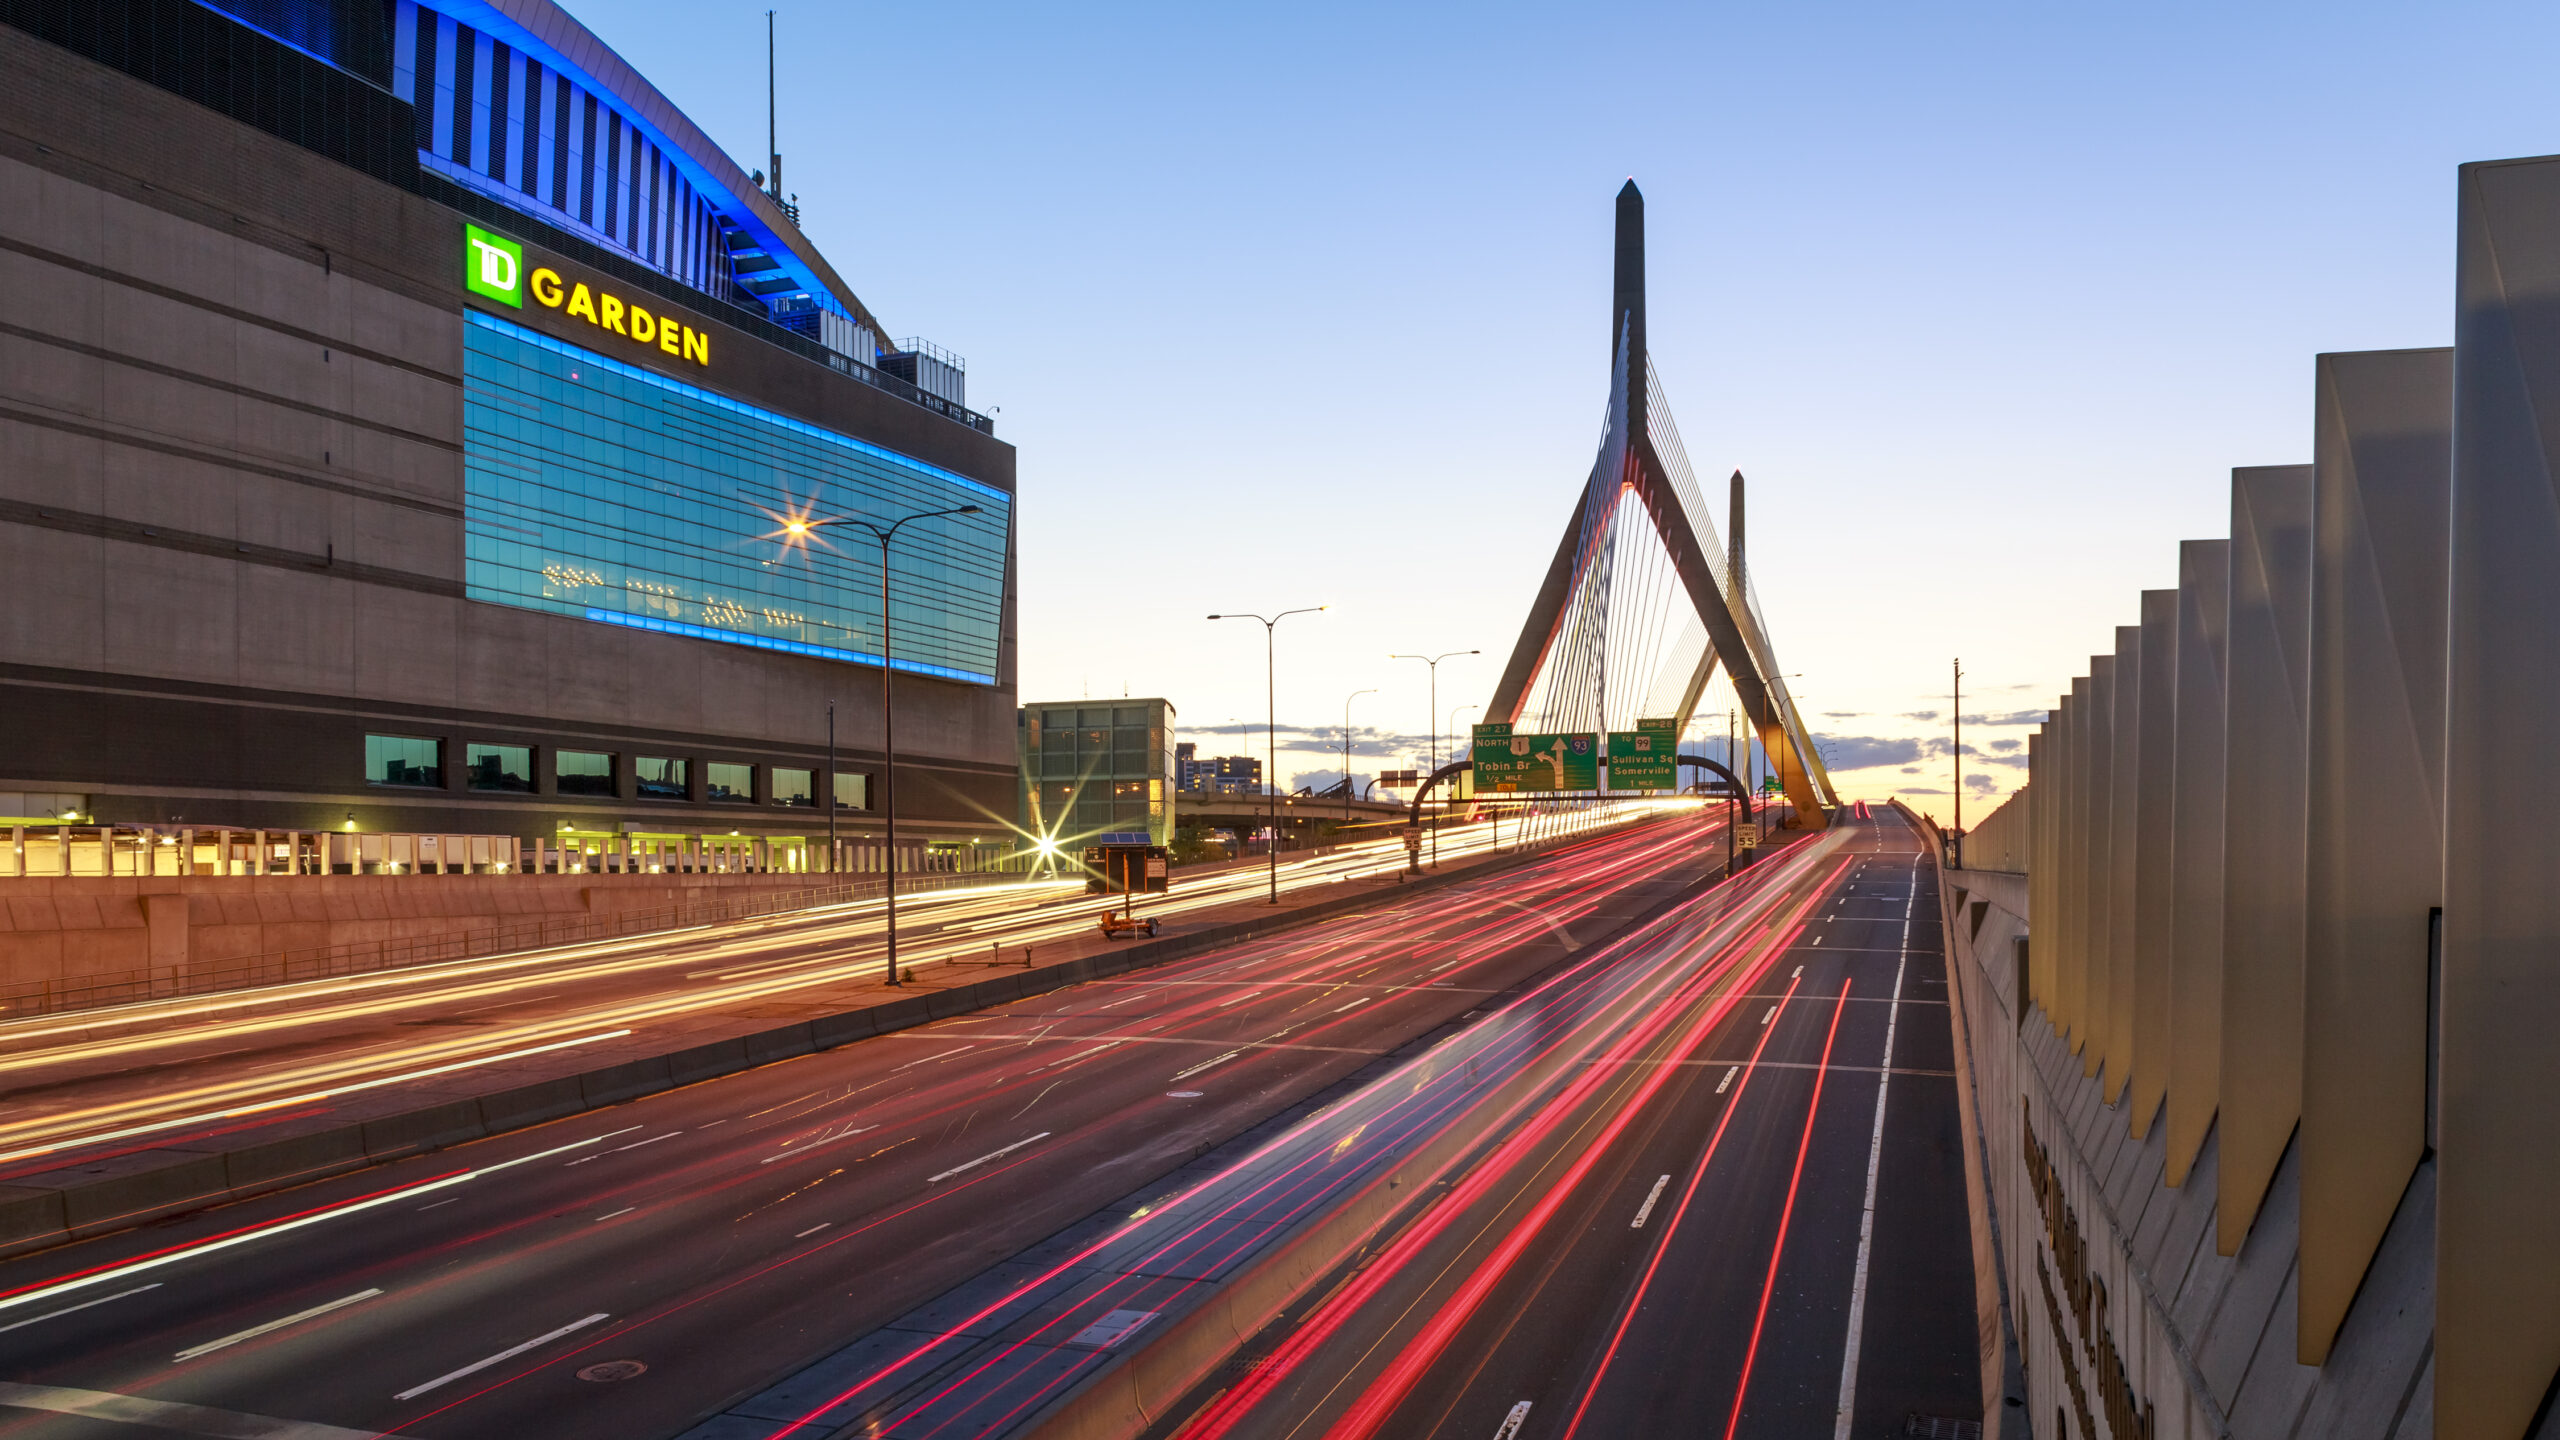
{"points": [[80, 1085], [632, 1271], [1731, 1223]]}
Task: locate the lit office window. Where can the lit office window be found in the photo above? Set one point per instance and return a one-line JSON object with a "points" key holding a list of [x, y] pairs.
{"points": [[853, 792], [501, 767], [585, 772], [597, 489], [404, 760], [794, 787], [724, 781], [660, 778]]}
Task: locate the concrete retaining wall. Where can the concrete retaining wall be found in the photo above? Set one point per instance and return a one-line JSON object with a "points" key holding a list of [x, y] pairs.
{"points": [[2125, 1319], [58, 930]]}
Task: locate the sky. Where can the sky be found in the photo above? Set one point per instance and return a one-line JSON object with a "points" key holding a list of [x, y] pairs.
{"points": [[1308, 305]]}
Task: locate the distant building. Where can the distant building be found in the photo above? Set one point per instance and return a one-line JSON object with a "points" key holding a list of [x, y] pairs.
{"points": [[1218, 775], [1095, 771]]}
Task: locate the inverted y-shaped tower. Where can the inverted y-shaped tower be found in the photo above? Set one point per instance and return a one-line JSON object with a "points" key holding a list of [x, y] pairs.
{"points": [[1562, 659]]}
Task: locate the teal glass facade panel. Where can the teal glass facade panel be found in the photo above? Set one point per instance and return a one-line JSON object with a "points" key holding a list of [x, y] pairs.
{"points": [[598, 489]]}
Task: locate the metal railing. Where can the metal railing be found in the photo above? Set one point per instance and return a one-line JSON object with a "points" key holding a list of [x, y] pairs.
{"points": [[364, 957]]}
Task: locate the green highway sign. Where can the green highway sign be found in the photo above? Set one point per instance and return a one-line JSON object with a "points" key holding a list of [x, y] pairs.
{"points": [[1519, 764], [1645, 758]]}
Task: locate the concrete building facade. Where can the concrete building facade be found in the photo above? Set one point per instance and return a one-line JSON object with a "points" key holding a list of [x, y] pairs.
{"points": [[403, 420]]}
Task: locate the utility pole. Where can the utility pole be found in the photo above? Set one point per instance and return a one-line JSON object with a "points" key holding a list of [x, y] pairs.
{"points": [[1958, 847], [1346, 751]]}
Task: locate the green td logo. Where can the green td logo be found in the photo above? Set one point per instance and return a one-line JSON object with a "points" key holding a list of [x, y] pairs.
{"points": [[493, 265]]}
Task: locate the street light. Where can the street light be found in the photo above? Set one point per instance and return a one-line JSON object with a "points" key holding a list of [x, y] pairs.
{"points": [[1434, 662], [799, 528], [1444, 804], [1271, 735], [1346, 751]]}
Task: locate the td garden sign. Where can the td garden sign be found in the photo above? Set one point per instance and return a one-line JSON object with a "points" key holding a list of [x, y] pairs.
{"points": [[493, 267]]}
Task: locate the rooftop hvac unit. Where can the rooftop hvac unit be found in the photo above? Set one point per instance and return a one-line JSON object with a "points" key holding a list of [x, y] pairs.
{"points": [[929, 368]]}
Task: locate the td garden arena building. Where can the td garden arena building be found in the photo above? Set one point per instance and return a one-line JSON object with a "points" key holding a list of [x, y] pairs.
{"points": [[405, 414]]}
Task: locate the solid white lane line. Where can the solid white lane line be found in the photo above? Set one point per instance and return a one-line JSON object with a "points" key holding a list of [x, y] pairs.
{"points": [[1867, 1216], [1512, 1422], [1208, 1065], [625, 1210], [511, 1352], [812, 1230], [272, 1326], [1645, 1212], [162, 1415], [983, 1159], [67, 1309]]}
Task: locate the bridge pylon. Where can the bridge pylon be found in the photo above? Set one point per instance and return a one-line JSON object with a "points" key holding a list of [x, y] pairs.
{"points": [[1599, 648]]}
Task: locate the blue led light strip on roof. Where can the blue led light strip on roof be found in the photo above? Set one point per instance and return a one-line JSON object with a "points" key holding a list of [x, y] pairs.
{"points": [[794, 647], [722, 402]]}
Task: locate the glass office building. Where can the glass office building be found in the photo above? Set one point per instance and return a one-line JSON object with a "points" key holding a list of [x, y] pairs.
{"points": [[602, 490], [1094, 772]]}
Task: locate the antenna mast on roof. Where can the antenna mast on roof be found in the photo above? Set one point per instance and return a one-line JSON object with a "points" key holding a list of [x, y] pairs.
{"points": [[772, 135]]}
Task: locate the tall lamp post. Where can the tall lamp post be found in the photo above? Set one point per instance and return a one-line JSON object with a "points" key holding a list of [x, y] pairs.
{"points": [[799, 528], [1444, 805], [1434, 662], [1271, 733], [1346, 751]]}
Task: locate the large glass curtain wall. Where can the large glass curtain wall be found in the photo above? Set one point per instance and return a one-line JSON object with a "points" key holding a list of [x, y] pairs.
{"points": [[597, 489]]}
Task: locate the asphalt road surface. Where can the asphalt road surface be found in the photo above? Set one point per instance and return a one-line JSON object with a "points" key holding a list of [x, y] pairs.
{"points": [[1752, 1225], [629, 1272]]}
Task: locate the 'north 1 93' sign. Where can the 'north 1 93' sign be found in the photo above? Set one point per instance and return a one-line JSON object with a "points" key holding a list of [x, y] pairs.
{"points": [[493, 266]]}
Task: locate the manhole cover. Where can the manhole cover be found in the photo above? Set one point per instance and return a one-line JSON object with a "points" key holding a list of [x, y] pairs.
{"points": [[1184, 1094], [613, 1370]]}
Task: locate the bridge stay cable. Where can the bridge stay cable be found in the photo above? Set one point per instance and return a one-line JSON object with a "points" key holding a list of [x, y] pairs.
{"points": [[1641, 605]]}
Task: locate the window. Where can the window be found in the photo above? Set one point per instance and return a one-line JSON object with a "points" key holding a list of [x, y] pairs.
{"points": [[793, 787], [724, 781], [661, 779], [574, 505], [501, 767], [584, 772], [404, 760], [853, 792]]}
